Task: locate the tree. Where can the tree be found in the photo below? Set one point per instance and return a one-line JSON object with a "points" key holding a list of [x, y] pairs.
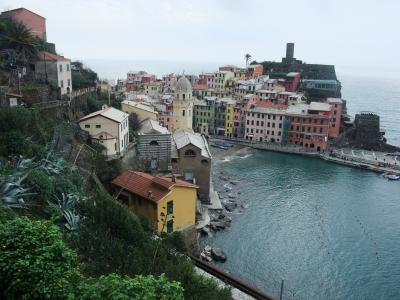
{"points": [[133, 122], [16, 36], [247, 57]]}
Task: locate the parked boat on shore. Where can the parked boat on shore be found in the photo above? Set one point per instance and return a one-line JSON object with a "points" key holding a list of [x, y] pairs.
{"points": [[391, 176]]}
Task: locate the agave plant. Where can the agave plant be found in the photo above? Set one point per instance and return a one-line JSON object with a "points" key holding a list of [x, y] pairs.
{"points": [[67, 204], [72, 220], [13, 194], [52, 165]]}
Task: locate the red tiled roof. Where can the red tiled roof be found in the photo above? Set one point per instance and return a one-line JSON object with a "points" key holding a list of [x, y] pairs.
{"points": [[153, 188], [47, 56]]}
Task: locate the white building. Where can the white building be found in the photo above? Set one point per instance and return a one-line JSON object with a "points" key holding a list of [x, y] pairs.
{"points": [[56, 69], [109, 127], [183, 105]]}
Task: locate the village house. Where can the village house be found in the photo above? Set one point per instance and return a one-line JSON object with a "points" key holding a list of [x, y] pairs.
{"points": [[56, 69], [141, 109], [109, 127], [191, 159], [220, 78], [204, 115], [154, 146], [169, 204]]}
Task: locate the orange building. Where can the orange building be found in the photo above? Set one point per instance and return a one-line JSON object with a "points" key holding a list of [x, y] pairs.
{"points": [[254, 71]]}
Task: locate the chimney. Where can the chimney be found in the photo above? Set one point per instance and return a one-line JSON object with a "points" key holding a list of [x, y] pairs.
{"points": [[150, 194]]}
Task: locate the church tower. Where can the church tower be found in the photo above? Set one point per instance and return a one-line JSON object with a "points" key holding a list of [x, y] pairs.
{"points": [[183, 105]]}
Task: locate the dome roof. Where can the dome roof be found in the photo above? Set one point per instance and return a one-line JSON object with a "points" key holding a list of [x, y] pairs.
{"points": [[183, 85]]}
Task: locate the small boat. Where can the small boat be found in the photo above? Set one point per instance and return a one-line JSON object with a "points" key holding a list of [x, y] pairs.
{"points": [[223, 144], [219, 146], [391, 176]]}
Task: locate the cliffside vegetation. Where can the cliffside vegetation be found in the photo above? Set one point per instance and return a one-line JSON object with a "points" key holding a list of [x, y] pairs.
{"points": [[63, 238]]}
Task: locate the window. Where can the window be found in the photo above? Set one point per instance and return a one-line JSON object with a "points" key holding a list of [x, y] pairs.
{"points": [[153, 143], [170, 226], [87, 125], [320, 130], [280, 125], [190, 153], [204, 162], [98, 126], [248, 122], [61, 83], [183, 113], [170, 207], [69, 82], [60, 67], [67, 67]]}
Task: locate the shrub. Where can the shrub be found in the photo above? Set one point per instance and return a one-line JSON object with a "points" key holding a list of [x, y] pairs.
{"points": [[35, 263], [114, 286]]}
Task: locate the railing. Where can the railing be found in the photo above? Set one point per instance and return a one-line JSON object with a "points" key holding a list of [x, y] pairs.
{"points": [[231, 280]]}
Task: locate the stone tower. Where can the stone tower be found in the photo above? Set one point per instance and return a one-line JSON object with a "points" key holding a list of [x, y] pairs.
{"points": [[183, 105]]}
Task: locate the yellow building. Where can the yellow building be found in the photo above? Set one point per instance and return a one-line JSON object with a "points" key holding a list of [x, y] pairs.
{"points": [[142, 110], [220, 79], [169, 204]]}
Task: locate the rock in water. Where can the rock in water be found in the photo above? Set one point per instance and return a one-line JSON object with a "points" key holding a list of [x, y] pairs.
{"points": [[218, 255], [230, 206]]}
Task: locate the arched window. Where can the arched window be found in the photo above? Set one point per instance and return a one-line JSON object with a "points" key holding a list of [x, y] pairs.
{"points": [[153, 143], [190, 152], [204, 162]]}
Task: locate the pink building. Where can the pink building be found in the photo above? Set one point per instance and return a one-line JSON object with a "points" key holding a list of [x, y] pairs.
{"points": [[34, 22], [336, 116], [264, 122], [254, 71]]}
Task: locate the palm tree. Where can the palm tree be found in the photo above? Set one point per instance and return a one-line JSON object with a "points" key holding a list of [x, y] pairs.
{"points": [[16, 36], [247, 57]]}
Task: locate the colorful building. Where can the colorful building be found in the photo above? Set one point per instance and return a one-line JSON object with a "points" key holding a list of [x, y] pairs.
{"points": [[254, 71], [265, 122], [204, 115], [168, 204], [224, 112], [309, 125], [220, 79]]}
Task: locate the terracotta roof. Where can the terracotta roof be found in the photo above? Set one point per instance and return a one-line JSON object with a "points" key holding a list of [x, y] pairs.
{"points": [[47, 56], [19, 9], [150, 187]]}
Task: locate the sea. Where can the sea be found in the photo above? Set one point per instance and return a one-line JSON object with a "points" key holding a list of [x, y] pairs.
{"points": [[326, 231]]}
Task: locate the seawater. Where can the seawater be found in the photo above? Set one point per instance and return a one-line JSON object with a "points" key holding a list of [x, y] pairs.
{"points": [[331, 232]]}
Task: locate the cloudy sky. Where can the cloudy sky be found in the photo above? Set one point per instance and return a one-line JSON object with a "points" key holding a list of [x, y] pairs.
{"points": [[350, 33]]}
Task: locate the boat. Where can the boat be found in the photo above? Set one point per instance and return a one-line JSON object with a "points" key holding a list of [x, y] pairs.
{"points": [[219, 146], [223, 144], [391, 176]]}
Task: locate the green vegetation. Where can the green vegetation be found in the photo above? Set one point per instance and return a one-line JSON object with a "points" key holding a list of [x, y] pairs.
{"points": [[82, 77], [37, 264], [64, 239]]}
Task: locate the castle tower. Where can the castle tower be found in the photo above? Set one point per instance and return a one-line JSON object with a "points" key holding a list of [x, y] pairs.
{"points": [[183, 105]]}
